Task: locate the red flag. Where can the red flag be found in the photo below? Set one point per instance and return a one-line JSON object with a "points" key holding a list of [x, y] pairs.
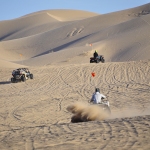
{"points": [[93, 74]]}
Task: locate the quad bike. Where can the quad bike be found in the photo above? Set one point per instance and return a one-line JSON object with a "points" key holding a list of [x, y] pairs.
{"points": [[104, 105], [21, 74], [97, 59]]}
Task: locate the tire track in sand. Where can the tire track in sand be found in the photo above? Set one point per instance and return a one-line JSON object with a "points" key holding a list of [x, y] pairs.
{"points": [[132, 134]]}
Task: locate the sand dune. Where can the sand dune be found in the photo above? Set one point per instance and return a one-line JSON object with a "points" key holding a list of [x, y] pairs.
{"points": [[34, 113], [4, 63], [55, 46], [39, 23], [118, 36]]}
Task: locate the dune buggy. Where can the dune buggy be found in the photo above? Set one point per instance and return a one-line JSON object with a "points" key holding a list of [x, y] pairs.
{"points": [[21, 74]]}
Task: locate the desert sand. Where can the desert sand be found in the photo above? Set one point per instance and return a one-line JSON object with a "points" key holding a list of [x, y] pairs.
{"points": [[56, 46]]}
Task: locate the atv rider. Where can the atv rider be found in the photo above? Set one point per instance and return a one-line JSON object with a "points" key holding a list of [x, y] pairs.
{"points": [[97, 97], [95, 54]]}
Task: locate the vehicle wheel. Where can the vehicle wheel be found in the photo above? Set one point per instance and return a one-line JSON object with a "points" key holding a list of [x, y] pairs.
{"points": [[103, 60], [13, 80], [90, 61], [97, 60], [23, 78], [31, 76]]}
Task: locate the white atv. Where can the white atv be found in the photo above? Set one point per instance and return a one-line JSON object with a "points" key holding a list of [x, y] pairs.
{"points": [[21, 74]]}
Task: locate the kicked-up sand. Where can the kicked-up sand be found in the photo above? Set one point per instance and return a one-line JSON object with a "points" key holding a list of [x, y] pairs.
{"points": [[83, 112]]}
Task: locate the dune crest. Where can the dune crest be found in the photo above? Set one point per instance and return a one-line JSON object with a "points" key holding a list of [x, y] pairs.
{"points": [[59, 19]]}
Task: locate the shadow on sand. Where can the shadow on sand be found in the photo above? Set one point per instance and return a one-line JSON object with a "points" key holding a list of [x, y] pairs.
{"points": [[5, 82]]}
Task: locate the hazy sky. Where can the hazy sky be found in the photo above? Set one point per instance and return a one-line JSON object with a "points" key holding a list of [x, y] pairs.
{"points": [[10, 9]]}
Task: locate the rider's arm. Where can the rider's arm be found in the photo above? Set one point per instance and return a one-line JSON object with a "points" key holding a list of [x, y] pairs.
{"points": [[103, 96]]}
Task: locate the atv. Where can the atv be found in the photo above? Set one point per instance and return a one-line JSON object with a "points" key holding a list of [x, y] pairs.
{"points": [[21, 74], [104, 105], [97, 59]]}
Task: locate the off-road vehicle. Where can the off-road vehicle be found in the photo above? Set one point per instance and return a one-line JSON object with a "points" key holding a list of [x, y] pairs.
{"points": [[21, 74], [98, 59]]}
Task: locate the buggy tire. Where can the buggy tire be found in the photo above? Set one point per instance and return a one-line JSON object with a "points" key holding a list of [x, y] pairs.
{"points": [[13, 80], [31, 76], [23, 78]]}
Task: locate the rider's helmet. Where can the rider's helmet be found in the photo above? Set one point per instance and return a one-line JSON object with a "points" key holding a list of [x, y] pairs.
{"points": [[97, 90]]}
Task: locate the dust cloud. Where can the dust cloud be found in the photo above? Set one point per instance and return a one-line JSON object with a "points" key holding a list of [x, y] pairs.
{"points": [[83, 112]]}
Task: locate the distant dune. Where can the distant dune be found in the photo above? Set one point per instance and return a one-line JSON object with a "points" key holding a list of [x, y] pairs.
{"points": [[56, 46], [119, 36]]}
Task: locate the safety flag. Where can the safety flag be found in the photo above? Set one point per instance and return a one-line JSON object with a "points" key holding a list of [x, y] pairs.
{"points": [[93, 74]]}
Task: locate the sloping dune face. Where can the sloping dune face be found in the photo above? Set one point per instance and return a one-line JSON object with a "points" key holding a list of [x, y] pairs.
{"points": [[119, 36]]}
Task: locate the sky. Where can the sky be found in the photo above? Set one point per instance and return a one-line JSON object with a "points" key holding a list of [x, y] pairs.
{"points": [[11, 9]]}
